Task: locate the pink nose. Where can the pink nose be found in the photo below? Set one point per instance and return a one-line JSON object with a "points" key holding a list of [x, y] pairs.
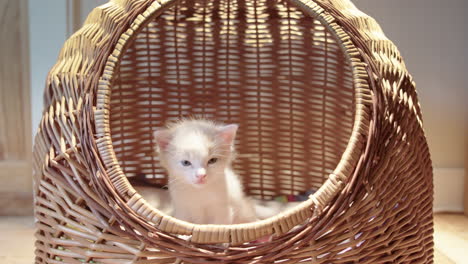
{"points": [[201, 178]]}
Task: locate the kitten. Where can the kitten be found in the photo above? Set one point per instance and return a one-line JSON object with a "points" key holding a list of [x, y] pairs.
{"points": [[204, 189]]}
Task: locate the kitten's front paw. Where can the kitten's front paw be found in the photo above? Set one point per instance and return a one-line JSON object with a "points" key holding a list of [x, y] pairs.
{"points": [[185, 237]]}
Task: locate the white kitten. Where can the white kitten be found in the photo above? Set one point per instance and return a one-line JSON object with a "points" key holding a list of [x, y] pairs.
{"points": [[197, 154]]}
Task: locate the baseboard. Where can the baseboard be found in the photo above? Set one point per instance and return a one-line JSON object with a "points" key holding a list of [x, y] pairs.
{"points": [[449, 189]]}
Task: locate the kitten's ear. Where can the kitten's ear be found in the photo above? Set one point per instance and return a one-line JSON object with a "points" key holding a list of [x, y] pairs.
{"points": [[228, 133], [162, 137]]}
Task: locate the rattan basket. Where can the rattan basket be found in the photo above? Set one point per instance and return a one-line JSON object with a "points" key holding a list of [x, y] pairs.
{"points": [[323, 100]]}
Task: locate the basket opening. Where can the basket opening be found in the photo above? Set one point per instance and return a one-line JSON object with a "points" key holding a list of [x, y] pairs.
{"points": [[265, 65]]}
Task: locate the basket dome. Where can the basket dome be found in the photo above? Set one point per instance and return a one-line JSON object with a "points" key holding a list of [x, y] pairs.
{"points": [[323, 101]]}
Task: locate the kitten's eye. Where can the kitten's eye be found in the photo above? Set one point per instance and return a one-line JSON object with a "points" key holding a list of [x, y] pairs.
{"points": [[212, 160], [185, 163]]}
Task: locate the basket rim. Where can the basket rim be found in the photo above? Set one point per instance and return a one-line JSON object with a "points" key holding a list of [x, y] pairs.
{"points": [[236, 233]]}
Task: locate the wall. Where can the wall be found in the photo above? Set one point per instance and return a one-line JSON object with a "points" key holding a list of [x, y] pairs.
{"points": [[15, 112], [47, 33], [432, 36]]}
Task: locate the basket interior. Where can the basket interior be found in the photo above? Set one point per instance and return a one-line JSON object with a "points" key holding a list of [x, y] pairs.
{"points": [[263, 64]]}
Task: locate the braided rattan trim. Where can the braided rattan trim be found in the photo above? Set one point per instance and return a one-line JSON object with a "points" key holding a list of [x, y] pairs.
{"points": [[140, 212]]}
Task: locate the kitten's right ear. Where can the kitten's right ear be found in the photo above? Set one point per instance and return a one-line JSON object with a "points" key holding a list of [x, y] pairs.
{"points": [[162, 138], [228, 133]]}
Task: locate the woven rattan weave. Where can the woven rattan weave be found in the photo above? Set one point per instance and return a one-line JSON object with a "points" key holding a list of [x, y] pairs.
{"points": [[323, 100]]}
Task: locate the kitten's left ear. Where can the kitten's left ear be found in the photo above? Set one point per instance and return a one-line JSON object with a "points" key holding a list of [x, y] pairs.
{"points": [[228, 133], [162, 138]]}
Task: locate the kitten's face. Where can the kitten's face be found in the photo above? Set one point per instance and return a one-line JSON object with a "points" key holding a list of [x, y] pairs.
{"points": [[196, 155], [196, 167]]}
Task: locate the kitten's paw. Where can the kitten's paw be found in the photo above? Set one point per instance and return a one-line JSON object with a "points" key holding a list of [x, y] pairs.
{"points": [[184, 237]]}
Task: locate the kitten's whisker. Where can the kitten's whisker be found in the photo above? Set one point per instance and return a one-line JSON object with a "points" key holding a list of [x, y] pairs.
{"points": [[169, 182], [173, 180]]}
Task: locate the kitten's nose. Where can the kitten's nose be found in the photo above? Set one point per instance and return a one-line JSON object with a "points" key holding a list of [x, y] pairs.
{"points": [[201, 174]]}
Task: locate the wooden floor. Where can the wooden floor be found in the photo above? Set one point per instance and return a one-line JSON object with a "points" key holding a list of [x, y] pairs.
{"points": [[16, 240], [451, 239]]}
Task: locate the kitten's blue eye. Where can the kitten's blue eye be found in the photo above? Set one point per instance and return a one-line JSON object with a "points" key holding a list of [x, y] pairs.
{"points": [[212, 160], [185, 163]]}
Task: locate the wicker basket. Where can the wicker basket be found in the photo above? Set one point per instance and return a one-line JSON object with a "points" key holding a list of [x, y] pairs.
{"points": [[323, 100]]}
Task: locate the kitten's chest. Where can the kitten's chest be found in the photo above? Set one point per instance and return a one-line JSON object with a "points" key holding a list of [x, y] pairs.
{"points": [[201, 198], [203, 206]]}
